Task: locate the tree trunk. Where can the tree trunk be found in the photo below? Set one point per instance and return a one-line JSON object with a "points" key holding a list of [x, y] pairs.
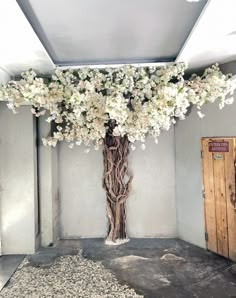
{"points": [[117, 183]]}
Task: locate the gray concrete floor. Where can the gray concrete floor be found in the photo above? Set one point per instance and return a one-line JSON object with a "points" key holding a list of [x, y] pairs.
{"points": [[185, 271], [154, 267], [8, 265]]}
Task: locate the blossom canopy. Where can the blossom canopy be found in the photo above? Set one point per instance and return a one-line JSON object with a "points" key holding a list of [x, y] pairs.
{"points": [[88, 103]]}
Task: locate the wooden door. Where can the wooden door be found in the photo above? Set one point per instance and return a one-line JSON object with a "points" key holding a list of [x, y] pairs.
{"points": [[218, 166]]}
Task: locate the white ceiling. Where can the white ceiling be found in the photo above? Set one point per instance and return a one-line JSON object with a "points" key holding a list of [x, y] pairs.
{"points": [[41, 33], [105, 31]]}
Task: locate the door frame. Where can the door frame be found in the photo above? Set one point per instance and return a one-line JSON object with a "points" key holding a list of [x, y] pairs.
{"points": [[214, 138]]}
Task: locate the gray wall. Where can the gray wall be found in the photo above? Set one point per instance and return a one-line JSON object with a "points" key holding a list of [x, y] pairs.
{"points": [[188, 134], [48, 186], [82, 199], [151, 205], [18, 181], [4, 77]]}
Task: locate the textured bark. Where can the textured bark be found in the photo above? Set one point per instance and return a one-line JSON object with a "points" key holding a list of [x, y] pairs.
{"points": [[117, 182]]}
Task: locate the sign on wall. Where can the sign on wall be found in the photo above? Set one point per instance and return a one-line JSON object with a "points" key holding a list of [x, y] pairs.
{"points": [[218, 146]]}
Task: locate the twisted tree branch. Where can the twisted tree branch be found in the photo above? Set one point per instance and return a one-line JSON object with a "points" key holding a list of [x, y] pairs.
{"points": [[115, 158]]}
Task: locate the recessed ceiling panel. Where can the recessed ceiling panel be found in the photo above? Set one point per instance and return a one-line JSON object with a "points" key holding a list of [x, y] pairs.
{"points": [[105, 31]]}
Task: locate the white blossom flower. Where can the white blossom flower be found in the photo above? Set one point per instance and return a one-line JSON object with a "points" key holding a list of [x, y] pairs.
{"points": [[78, 143], [45, 141], [143, 146], [132, 147], [200, 114], [87, 150], [229, 100], [71, 145]]}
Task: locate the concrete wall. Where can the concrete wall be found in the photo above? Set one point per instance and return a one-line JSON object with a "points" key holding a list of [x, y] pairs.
{"points": [[151, 205], [82, 199], [48, 186], [188, 134], [4, 76], [18, 181]]}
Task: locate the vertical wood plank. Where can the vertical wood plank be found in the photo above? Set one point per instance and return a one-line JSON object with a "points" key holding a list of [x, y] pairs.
{"points": [[209, 200], [220, 205], [230, 195]]}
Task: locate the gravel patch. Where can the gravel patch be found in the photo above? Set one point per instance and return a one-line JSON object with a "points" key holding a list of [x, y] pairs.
{"points": [[68, 276]]}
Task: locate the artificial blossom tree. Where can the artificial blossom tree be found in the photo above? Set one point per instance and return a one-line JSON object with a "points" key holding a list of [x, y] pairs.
{"points": [[116, 108]]}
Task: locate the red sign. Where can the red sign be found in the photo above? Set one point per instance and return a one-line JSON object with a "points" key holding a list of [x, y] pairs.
{"points": [[218, 146]]}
